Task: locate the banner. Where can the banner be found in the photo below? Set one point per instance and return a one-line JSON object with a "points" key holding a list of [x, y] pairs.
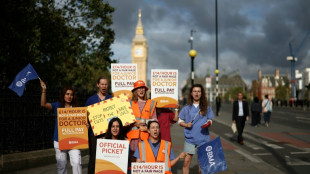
{"points": [[25, 75], [164, 88], [123, 77], [101, 113], [72, 131], [211, 157], [148, 168], [112, 156]]}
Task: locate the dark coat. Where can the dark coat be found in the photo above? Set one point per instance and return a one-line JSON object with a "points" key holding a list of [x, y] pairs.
{"points": [[236, 109]]}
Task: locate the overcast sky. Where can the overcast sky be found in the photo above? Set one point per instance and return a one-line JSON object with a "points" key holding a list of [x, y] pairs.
{"points": [[252, 34]]}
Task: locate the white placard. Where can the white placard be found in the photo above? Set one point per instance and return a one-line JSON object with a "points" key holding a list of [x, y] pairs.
{"points": [[123, 77], [148, 168], [112, 156], [164, 87]]}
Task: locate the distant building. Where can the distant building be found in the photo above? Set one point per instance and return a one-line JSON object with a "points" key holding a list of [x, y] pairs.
{"points": [[226, 82], [267, 84], [302, 79], [139, 50]]}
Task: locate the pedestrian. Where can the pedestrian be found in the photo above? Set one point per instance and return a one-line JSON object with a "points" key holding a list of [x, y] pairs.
{"points": [[256, 109], [239, 115], [218, 103], [267, 109], [101, 95], [193, 117], [166, 117], [67, 99], [156, 149], [144, 110]]}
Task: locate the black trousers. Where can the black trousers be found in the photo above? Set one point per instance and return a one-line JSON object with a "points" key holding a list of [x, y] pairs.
{"points": [[240, 122], [218, 109], [92, 142]]}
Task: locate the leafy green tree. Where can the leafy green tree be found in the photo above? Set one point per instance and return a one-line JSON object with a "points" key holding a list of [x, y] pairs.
{"points": [[68, 42], [232, 93], [282, 92]]}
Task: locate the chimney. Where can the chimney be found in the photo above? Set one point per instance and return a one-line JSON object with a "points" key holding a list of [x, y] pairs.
{"points": [[259, 74], [277, 75]]}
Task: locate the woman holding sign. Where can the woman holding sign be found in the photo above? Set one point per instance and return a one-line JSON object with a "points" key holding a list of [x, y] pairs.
{"points": [[67, 99], [196, 118], [143, 109]]}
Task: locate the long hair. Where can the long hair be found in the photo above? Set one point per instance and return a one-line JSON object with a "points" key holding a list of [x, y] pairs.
{"points": [[74, 102], [135, 95], [203, 104], [121, 135]]}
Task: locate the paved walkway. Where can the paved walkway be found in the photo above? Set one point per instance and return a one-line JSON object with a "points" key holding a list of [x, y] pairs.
{"points": [[238, 161]]}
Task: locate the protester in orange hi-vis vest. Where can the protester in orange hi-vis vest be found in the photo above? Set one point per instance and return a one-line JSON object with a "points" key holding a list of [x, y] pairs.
{"points": [[143, 109], [155, 149]]}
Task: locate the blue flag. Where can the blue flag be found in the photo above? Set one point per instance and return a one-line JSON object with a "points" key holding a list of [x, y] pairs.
{"points": [[25, 75], [211, 157]]}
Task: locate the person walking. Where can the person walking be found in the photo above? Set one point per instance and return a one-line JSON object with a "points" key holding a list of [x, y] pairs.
{"points": [[67, 99], [156, 149], [256, 109], [101, 95], [193, 117], [267, 109], [218, 103], [239, 115]]}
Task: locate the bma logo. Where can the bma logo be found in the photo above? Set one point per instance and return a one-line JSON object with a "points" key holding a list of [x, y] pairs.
{"points": [[23, 80], [210, 155]]}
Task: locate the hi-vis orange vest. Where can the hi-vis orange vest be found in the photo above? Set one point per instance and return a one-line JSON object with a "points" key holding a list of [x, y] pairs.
{"points": [[146, 114], [163, 155]]}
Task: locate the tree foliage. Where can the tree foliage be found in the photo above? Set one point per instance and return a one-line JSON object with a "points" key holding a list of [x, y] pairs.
{"points": [[282, 92], [67, 42], [232, 93]]}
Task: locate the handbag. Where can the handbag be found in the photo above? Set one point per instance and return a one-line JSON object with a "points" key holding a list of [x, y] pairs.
{"points": [[234, 127]]}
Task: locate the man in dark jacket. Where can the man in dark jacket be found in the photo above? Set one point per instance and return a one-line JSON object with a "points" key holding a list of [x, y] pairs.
{"points": [[239, 115]]}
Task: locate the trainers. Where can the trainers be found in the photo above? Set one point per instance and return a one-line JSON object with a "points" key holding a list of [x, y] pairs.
{"points": [[241, 142]]}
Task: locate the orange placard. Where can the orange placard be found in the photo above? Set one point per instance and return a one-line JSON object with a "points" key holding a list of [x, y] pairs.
{"points": [[72, 131]]}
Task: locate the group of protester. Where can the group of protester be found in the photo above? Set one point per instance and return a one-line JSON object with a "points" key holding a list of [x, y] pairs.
{"points": [[149, 135]]}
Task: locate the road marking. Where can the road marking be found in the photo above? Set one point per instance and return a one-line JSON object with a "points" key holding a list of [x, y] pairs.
{"points": [[295, 162], [299, 153], [255, 160], [303, 118], [253, 146], [274, 146], [261, 154]]}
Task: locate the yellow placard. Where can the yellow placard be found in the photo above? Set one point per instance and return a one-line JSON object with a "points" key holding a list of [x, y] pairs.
{"points": [[101, 113], [72, 131]]}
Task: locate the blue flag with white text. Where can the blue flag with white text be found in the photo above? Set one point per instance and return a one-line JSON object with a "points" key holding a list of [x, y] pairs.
{"points": [[25, 75], [211, 157]]}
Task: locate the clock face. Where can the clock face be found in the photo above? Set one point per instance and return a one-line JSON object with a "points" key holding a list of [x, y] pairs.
{"points": [[138, 51]]}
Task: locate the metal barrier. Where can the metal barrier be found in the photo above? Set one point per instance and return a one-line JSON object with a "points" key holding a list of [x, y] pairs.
{"points": [[25, 125]]}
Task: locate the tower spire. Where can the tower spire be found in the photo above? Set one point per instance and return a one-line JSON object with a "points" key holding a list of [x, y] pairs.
{"points": [[139, 28]]}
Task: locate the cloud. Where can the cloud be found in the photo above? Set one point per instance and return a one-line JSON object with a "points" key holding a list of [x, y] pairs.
{"points": [[252, 35]]}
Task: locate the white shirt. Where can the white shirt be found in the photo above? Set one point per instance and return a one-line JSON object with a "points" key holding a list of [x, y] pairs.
{"points": [[240, 113]]}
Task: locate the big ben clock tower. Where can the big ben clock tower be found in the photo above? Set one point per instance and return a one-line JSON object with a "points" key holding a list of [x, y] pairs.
{"points": [[139, 51]]}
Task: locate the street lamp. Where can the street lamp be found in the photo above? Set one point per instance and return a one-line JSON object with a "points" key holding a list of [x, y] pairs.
{"points": [[293, 60], [192, 53], [217, 71]]}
